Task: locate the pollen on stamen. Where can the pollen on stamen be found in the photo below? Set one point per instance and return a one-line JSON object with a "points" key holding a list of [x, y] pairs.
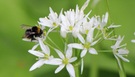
{"points": [[65, 61], [70, 28], [46, 56], [87, 31], [87, 45], [54, 24]]}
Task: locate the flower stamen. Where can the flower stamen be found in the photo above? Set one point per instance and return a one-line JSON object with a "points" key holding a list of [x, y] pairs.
{"points": [[65, 61], [87, 45], [70, 28]]}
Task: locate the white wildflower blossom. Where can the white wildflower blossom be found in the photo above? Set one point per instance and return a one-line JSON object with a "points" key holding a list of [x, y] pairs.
{"points": [[66, 61], [43, 56], [86, 33], [119, 51], [86, 26], [69, 23], [51, 21], [101, 22], [87, 44], [72, 20]]}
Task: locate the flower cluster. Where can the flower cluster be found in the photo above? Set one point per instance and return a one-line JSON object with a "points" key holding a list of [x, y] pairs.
{"points": [[83, 33]]}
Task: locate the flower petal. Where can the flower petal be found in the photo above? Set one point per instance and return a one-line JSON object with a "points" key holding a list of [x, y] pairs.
{"points": [[104, 20], [72, 59], [69, 52], [82, 65], [38, 64], [55, 61], [76, 45], [94, 42], [36, 53], [133, 41], [80, 37], [59, 53], [124, 59], [85, 5], [45, 22], [53, 16], [114, 26], [59, 68], [119, 40], [44, 47], [70, 70], [75, 31], [48, 50], [134, 33], [106, 17], [83, 53], [35, 46], [63, 33], [123, 51], [92, 51], [90, 35]]}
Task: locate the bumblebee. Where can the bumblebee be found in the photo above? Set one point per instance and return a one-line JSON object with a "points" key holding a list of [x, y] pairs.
{"points": [[31, 33]]}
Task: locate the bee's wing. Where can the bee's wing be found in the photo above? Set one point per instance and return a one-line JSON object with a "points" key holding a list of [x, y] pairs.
{"points": [[24, 26]]}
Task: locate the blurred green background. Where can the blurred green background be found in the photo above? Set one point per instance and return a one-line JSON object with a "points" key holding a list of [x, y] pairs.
{"points": [[15, 61]]}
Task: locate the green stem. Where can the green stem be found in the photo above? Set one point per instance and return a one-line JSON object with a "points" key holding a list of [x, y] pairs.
{"points": [[54, 43], [121, 68], [107, 2], [109, 11], [122, 73], [49, 45], [77, 72]]}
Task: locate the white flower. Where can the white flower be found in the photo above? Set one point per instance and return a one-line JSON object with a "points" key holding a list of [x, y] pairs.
{"points": [[66, 61], [70, 23], [43, 56], [133, 41], [100, 23], [104, 20], [72, 20], [87, 25], [119, 51], [86, 44], [51, 21]]}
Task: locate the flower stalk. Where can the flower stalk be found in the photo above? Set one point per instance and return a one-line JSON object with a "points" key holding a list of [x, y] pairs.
{"points": [[77, 72], [121, 69]]}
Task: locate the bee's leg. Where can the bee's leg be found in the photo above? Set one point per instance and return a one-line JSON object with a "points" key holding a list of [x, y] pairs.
{"points": [[32, 39]]}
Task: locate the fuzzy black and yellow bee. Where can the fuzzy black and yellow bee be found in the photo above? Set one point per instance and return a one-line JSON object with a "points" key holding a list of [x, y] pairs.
{"points": [[31, 33]]}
